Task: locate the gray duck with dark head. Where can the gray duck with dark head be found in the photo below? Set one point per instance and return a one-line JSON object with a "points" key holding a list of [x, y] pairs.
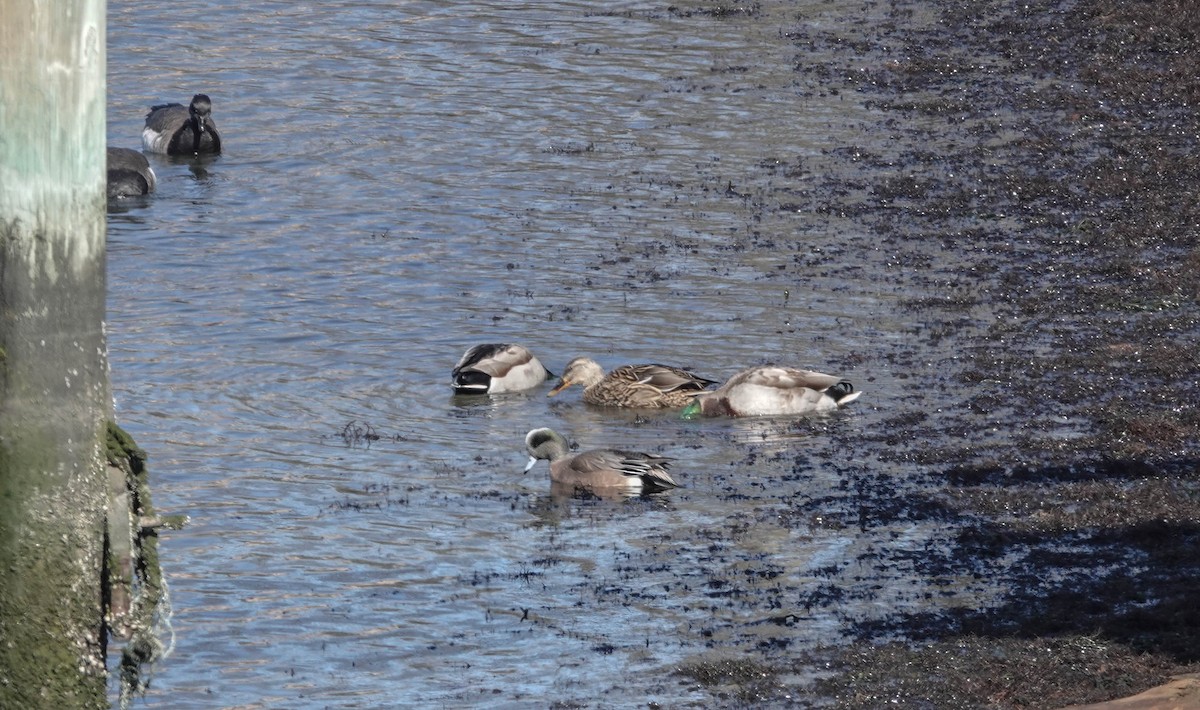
{"points": [[175, 129], [129, 173]]}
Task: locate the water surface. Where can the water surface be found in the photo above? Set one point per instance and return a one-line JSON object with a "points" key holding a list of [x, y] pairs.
{"points": [[404, 180]]}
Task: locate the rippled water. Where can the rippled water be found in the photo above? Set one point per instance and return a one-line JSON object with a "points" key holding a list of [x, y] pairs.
{"points": [[402, 181]]}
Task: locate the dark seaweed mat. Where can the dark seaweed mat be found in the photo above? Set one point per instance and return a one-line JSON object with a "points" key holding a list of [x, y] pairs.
{"points": [[1065, 166]]}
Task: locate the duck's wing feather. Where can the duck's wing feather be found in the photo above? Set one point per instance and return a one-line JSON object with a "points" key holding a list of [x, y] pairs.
{"points": [[494, 359], [663, 378], [648, 467], [166, 116], [785, 378]]}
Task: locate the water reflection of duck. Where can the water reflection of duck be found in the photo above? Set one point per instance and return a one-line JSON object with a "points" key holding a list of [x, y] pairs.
{"points": [[598, 470], [643, 386], [129, 173], [773, 391], [493, 368], [175, 129]]}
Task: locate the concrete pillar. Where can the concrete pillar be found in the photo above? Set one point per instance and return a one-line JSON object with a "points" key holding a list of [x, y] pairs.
{"points": [[54, 392]]}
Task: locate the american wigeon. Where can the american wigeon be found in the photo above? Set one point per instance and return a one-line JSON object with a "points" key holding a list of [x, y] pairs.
{"points": [[631, 471]]}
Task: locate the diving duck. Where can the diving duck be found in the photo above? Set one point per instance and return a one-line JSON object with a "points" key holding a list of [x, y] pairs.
{"points": [[175, 129], [773, 391], [129, 173], [494, 368]]}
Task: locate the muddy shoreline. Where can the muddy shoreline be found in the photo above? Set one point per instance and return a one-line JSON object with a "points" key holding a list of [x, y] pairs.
{"points": [[1057, 146]]}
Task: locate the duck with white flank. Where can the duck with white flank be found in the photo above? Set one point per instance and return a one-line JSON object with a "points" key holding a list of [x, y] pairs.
{"points": [[494, 368], [175, 129], [630, 472], [773, 391]]}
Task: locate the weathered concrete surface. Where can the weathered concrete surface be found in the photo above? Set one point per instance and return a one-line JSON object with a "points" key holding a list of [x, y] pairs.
{"points": [[54, 394]]}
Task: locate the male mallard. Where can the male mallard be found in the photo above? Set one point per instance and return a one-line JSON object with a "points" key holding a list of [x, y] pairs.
{"points": [[493, 368], [641, 386], [630, 471], [773, 391], [176, 129]]}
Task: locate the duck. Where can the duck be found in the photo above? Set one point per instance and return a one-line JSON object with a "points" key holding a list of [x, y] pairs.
{"points": [[129, 173], [630, 472], [769, 390], [649, 386], [494, 368], [175, 129]]}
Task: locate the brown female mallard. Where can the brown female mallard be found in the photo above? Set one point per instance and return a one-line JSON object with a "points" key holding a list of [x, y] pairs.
{"points": [[638, 386]]}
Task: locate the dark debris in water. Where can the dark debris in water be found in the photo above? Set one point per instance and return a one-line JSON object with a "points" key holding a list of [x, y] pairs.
{"points": [[720, 10], [372, 496], [735, 679], [355, 433]]}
